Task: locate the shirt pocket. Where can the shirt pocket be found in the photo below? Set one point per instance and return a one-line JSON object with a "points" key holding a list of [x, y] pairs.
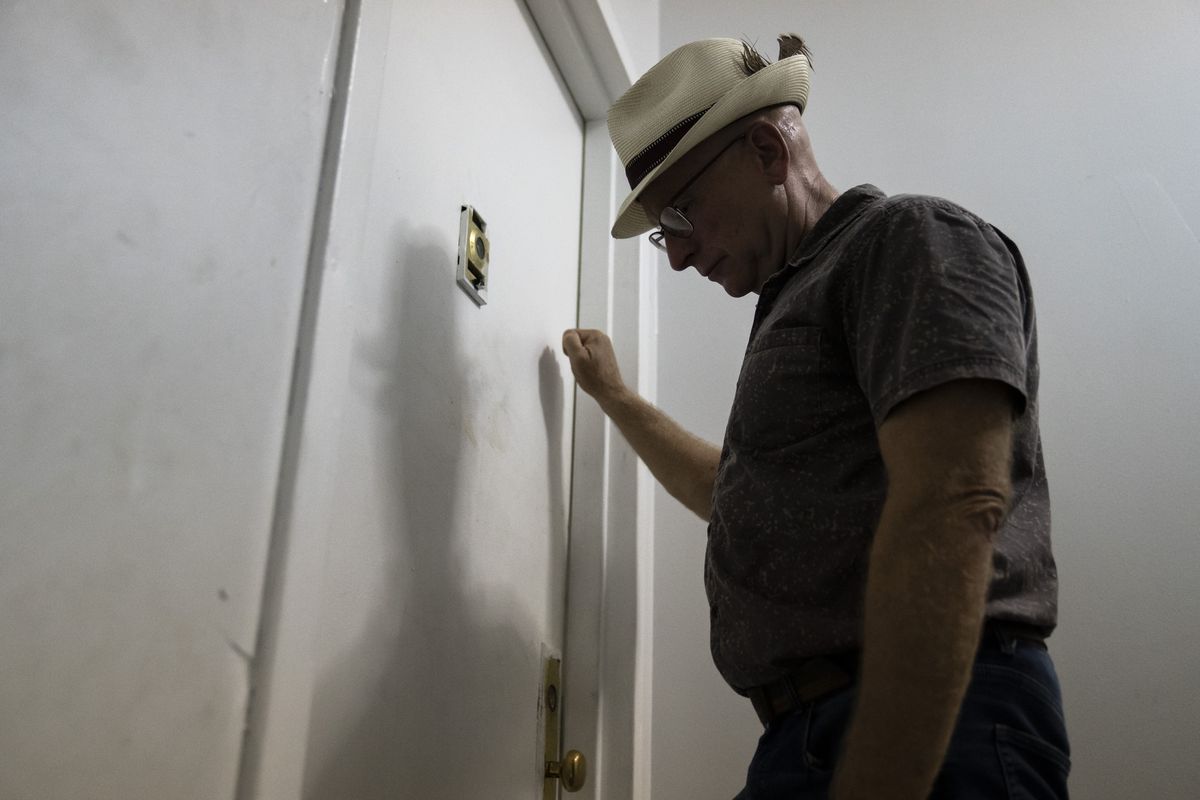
{"points": [[778, 397]]}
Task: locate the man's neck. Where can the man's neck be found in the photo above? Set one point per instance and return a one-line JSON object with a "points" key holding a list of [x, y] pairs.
{"points": [[816, 200], [805, 207]]}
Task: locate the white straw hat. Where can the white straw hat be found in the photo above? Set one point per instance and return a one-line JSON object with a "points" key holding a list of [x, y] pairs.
{"points": [[691, 94]]}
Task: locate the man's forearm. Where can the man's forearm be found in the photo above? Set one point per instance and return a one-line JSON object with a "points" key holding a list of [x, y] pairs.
{"points": [[683, 463], [923, 615]]}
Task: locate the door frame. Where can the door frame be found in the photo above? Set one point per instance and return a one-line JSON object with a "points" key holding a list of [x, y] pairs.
{"points": [[608, 652]]}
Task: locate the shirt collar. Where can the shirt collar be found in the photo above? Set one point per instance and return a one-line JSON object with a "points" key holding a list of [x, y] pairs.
{"points": [[845, 209]]}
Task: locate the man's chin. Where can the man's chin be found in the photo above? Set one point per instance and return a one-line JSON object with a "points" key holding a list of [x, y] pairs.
{"points": [[735, 290]]}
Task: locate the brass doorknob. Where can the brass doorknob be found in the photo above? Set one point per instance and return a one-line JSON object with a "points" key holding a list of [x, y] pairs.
{"points": [[571, 771]]}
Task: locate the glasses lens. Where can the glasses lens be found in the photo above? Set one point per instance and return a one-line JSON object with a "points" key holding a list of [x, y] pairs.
{"points": [[675, 223]]}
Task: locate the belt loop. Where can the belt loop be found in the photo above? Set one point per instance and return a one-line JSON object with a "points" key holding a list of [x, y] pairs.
{"points": [[793, 694], [1004, 638]]}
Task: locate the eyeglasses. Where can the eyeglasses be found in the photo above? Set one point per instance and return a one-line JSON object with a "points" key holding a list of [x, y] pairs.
{"points": [[671, 219]]}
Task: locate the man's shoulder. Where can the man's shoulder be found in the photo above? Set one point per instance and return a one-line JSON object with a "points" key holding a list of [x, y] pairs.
{"points": [[914, 217], [918, 204]]}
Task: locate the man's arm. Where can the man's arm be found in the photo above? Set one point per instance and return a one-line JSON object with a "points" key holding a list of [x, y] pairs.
{"points": [[684, 464], [948, 454]]}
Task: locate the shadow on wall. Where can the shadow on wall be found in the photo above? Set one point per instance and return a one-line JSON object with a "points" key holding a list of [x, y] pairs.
{"points": [[434, 695], [550, 391]]}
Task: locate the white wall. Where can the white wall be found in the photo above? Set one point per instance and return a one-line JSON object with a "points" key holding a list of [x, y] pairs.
{"points": [[158, 170], [1074, 129], [635, 28]]}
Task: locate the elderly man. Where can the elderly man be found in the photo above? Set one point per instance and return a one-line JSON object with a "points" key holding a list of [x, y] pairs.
{"points": [[878, 569]]}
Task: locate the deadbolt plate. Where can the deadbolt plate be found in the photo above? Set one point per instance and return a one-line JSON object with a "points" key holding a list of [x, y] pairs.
{"points": [[474, 253]]}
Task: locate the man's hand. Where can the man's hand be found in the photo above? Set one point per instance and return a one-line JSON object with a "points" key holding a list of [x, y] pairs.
{"points": [[685, 465], [594, 363]]}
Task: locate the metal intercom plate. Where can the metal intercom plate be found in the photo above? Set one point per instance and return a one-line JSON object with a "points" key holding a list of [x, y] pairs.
{"points": [[474, 252]]}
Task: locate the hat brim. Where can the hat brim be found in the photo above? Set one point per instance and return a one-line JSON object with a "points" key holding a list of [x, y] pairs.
{"points": [[785, 81]]}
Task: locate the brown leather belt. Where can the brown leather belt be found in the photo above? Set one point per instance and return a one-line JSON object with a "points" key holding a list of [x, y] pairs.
{"points": [[814, 679], [822, 676]]}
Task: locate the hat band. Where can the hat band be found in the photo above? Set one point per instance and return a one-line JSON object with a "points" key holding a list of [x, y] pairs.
{"points": [[640, 165]]}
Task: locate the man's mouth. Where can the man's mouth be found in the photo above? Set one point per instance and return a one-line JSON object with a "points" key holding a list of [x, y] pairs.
{"points": [[711, 269]]}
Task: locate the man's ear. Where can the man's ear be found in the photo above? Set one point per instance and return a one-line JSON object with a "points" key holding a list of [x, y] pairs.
{"points": [[770, 151]]}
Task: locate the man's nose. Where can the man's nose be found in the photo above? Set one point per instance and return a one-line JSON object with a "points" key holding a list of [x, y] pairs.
{"points": [[679, 252]]}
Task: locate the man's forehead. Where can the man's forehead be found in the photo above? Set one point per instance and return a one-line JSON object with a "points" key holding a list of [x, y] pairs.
{"points": [[656, 196], [663, 188]]}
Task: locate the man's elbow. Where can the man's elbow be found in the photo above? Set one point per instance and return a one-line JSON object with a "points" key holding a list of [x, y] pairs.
{"points": [[983, 510]]}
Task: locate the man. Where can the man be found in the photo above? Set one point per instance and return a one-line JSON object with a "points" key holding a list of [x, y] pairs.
{"points": [[878, 567]]}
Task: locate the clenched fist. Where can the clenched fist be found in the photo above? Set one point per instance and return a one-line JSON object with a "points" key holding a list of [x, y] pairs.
{"points": [[594, 363]]}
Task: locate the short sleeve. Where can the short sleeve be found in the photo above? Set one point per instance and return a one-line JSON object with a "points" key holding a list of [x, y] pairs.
{"points": [[936, 295]]}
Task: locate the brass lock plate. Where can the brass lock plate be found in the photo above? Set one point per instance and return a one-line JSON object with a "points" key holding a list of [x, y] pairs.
{"points": [[550, 702], [474, 253], [566, 771]]}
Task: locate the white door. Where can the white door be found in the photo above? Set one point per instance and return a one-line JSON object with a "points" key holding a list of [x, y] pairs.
{"points": [[445, 572]]}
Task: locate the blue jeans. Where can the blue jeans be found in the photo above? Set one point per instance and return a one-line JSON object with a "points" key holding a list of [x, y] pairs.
{"points": [[1010, 741]]}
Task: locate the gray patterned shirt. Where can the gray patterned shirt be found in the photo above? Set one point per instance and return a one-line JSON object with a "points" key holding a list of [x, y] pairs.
{"points": [[887, 297]]}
